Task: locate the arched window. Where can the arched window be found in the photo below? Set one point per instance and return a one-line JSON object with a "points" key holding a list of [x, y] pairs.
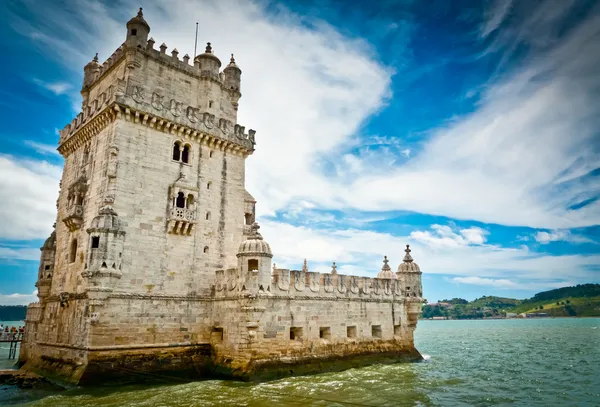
{"points": [[208, 185], [180, 201], [190, 202], [210, 154], [73, 252], [185, 155], [177, 150], [207, 215], [205, 249]]}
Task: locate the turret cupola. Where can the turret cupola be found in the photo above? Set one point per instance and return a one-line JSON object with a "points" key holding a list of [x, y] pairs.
{"points": [[233, 75], [137, 30], [386, 271], [409, 276], [408, 265], [254, 261], [90, 72], [208, 63]]}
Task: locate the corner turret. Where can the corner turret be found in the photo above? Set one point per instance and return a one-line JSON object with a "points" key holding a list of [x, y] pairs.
{"points": [[105, 248], [386, 271], [233, 75], [90, 71], [254, 261], [208, 63], [46, 268], [409, 275], [137, 30]]}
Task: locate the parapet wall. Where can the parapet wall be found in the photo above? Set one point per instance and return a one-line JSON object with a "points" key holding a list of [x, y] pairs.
{"points": [[298, 283]]}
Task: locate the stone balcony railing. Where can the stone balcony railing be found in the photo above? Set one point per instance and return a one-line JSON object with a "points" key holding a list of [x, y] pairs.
{"points": [[74, 217], [182, 221]]}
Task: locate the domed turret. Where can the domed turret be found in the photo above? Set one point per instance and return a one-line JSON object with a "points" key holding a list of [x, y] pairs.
{"points": [[386, 271], [46, 269], [233, 76], [409, 276], [137, 30], [90, 71], [254, 262], [208, 63], [254, 245], [105, 250]]}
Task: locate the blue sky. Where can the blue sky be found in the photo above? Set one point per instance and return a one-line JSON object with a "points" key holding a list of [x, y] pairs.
{"points": [[469, 130]]}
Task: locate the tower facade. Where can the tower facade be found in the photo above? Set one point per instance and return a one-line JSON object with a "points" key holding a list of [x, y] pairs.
{"points": [[156, 258]]}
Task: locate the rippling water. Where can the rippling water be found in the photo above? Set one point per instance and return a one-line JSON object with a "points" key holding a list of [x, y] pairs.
{"points": [[542, 362]]}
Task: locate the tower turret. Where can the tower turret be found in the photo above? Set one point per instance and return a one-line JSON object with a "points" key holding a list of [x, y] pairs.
{"points": [[409, 275], [137, 30], [105, 248], [254, 261], [46, 269], [233, 75], [90, 71], [208, 63], [386, 271]]}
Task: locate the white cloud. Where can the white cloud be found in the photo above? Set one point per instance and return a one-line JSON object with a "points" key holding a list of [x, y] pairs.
{"points": [[42, 148], [18, 299], [58, 88], [500, 164], [443, 251], [28, 192], [19, 253], [543, 237]]}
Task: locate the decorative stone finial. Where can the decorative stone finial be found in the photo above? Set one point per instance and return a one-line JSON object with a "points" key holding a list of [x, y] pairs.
{"points": [[304, 266], [208, 49], [232, 59], [333, 268], [96, 57], [386, 266], [254, 232], [407, 257], [140, 14], [274, 267]]}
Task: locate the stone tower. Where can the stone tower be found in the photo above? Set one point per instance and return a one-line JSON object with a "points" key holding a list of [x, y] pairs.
{"points": [[152, 196], [156, 264]]}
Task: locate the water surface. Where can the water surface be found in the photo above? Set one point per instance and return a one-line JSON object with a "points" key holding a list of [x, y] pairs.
{"points": [[532, 362]]}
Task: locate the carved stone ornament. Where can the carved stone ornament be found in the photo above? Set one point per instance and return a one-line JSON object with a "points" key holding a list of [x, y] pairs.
{"points": [[138, 94], [192, 114], [251, 134], [157, 101], [209, 120], [225, 125], [175, 108], [239, 131]]}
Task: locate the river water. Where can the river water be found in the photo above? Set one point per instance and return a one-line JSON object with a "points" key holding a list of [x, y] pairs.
{"points": [[531, 362]]}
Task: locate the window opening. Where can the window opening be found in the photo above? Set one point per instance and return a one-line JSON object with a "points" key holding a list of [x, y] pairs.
{"points": [[376, 331], [190, 201], [217, 335], [210, 154], [351, 331], [253, 265], [95, 242], [397, 330], [207, 215], [134, 32], [176, 151], [208, 185], [205, 249], [325, 332], [185, 155], [295, 333], [180, 201], [73, 253]]}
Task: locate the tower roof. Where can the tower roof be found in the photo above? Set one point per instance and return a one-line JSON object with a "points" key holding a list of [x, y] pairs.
{"points": [[139, 19], [386, 271], [254, 245], [408, 265], [208, 54], [232, 64]]}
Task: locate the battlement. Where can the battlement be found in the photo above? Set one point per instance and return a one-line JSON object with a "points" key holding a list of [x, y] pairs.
{"points": [[300, 283]]}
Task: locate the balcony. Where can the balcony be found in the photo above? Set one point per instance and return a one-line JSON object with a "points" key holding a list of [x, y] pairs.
{"points": [[74, 217], [182, 221]]}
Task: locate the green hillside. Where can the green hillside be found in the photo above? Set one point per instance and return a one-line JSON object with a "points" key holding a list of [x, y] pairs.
{"points": [[582, 301]]}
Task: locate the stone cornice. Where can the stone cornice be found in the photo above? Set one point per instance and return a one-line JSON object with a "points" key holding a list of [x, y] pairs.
{"points": [[87, 131]]}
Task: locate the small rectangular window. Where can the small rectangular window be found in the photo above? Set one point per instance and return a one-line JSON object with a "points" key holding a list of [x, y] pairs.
{"points": [[216, 335], [351, 332], [325, 332], [376, 331], [134, 32], [397, 330], [252, 265], [47, 267], [296, 333], [95, 242]]}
